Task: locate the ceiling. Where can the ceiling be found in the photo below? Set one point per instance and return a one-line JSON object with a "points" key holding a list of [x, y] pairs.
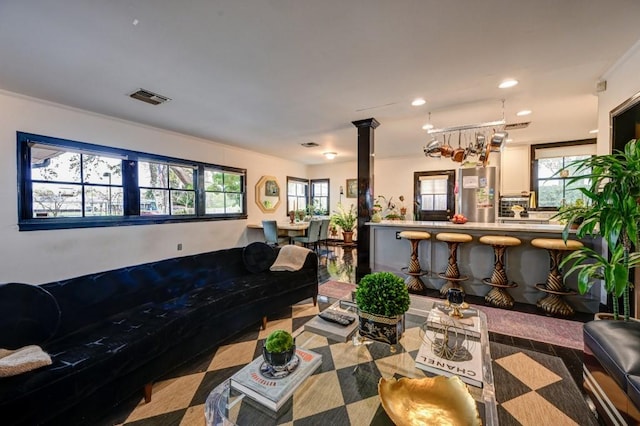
{"points": [[269, 75]]}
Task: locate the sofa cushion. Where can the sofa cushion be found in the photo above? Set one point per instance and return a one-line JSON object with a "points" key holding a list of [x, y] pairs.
{"points": [[258, 257], [29, 315], [616, 345]]}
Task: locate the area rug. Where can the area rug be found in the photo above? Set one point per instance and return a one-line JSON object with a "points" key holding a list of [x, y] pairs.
{"points": [[336, 289], [534, 389], [540, 328]]}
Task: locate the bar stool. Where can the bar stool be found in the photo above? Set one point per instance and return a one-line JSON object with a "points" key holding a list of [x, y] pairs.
{"points": [[498, 295], [414, 270], [452, 274], [553, 303]]}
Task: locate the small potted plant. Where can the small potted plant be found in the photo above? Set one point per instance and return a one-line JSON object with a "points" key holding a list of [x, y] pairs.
{"points": [[279, 349], [382, 300], [346, 220]]}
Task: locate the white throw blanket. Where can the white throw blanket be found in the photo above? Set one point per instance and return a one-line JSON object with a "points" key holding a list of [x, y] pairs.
{"points": [[290, 258], [18, 361]]}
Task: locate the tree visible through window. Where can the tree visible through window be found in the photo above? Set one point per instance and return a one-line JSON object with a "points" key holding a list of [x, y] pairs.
{"points": [[554, 189], [68, 184], [320, 196]]}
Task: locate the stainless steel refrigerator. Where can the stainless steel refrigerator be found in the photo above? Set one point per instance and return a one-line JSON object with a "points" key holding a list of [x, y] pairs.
{"points": [[478, 193]]}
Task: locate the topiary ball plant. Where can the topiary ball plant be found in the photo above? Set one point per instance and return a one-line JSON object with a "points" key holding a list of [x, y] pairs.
{"points": [[382, 293], [279, 341]]}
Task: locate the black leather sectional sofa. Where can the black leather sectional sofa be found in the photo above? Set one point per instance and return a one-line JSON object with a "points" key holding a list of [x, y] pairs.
{"points": [[612, 375], [110, 334]]}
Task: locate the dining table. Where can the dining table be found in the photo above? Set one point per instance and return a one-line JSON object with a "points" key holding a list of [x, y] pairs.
{"points": [[286, 228]]}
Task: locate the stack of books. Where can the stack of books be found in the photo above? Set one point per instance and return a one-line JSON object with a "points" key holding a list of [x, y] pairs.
{"points": [[468, 363], [271, 392]]}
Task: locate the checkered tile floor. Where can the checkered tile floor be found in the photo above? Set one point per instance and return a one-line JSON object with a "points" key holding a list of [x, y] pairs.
{"points": [[531, 386], [179, 400]]}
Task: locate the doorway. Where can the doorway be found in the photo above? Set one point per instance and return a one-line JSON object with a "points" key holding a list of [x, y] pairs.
{"points": [[433, 195]]}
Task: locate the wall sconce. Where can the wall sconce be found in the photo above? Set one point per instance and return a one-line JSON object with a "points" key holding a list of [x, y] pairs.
{"points": [[330, 155]]}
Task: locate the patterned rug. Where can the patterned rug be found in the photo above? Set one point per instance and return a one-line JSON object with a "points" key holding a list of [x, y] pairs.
{"points": [[560, 332], [532, 388]]}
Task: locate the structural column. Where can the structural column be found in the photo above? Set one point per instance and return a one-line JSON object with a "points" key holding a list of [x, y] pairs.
{"points": [[366, 130]]}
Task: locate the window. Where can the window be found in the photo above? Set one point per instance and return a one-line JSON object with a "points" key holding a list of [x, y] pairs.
{"points": [[166, 189], [68, 184], [552, 169], [223, 191], [74, 184], [297, 193], [320, 196], [434, 194]]}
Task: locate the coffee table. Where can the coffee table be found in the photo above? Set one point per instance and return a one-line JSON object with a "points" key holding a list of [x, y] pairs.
{"points": [[344, 389]]}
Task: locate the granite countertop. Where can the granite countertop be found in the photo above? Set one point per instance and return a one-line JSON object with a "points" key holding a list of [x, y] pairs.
{"points": [[505, 227]]}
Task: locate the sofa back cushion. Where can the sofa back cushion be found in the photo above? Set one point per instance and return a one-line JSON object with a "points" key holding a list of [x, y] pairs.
{"points": [[258, 257], [92, 298]]}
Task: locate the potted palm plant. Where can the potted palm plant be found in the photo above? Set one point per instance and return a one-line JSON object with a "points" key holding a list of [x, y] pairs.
{"points": [[382, 300], [611, 212], [346, 220]]}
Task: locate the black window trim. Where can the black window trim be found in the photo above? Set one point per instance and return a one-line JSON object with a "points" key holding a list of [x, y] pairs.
{"points": [[534, 163], [130, 160], [307, 194]]}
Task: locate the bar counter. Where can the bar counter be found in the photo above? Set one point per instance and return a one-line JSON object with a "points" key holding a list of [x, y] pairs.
{"points": [[524, 264]]}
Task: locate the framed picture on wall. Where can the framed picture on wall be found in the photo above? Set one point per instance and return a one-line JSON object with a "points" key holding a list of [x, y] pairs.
{"points": [[352, 188], [271, 188]]}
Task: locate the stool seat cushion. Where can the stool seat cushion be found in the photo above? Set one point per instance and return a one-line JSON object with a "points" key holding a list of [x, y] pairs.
{"points": [[556, 244], [454, 237], [415, 235], [499, 240]]}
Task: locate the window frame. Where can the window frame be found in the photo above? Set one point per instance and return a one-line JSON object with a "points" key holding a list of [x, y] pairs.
{"points": [[306, 196], [437, 215], [534, 167], [313, 196], [131, 189]]}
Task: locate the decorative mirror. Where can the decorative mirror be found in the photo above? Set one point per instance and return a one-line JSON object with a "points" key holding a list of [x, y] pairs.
{"points": [[268, 194]]}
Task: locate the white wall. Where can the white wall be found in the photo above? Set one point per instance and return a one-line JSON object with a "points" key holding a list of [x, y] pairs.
{"points": [[392, 176], [43, 256]]}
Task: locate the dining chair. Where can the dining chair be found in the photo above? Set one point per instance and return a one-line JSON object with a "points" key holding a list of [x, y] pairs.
{"points": [[270, 228], [312, 237], [323, 237]]}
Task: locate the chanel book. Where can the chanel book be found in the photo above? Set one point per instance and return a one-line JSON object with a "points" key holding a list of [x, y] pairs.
{"points": [[273, 389], [466, 364], [469, 324]]}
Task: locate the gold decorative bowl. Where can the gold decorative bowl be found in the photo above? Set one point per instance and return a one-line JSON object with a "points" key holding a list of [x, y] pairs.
{"points": [[428, 401]]}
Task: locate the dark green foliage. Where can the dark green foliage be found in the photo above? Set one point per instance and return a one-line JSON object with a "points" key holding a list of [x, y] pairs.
{"points": [[613, 213], [382, 293], [279, 341]]}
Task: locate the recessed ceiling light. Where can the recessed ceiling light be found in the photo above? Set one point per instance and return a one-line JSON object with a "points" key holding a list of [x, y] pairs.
{"points": [[418, 102], [593, 131], [427, 126], [329, 155], [523, 112], [508, 83]]}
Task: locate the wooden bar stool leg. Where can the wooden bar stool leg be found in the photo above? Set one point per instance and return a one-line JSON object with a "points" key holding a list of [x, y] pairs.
{"points": [[414, 270], [498, 295], [452, 269], [553, 303]]}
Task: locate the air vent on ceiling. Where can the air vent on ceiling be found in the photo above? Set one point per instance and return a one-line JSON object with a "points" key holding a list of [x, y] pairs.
{"points": [[149, 97], [309, 144], [516, 126]]}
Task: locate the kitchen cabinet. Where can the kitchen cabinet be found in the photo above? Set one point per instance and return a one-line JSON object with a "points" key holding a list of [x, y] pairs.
{"points": [[514, 170]]}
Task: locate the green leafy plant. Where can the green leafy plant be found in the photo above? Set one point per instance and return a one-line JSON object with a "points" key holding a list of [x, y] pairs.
{"points": [[612, 212], [279, 341], [382, 293], [345, 219]]}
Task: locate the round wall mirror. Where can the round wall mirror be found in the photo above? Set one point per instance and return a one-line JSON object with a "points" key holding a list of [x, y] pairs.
{"points": [[268, 194]]}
